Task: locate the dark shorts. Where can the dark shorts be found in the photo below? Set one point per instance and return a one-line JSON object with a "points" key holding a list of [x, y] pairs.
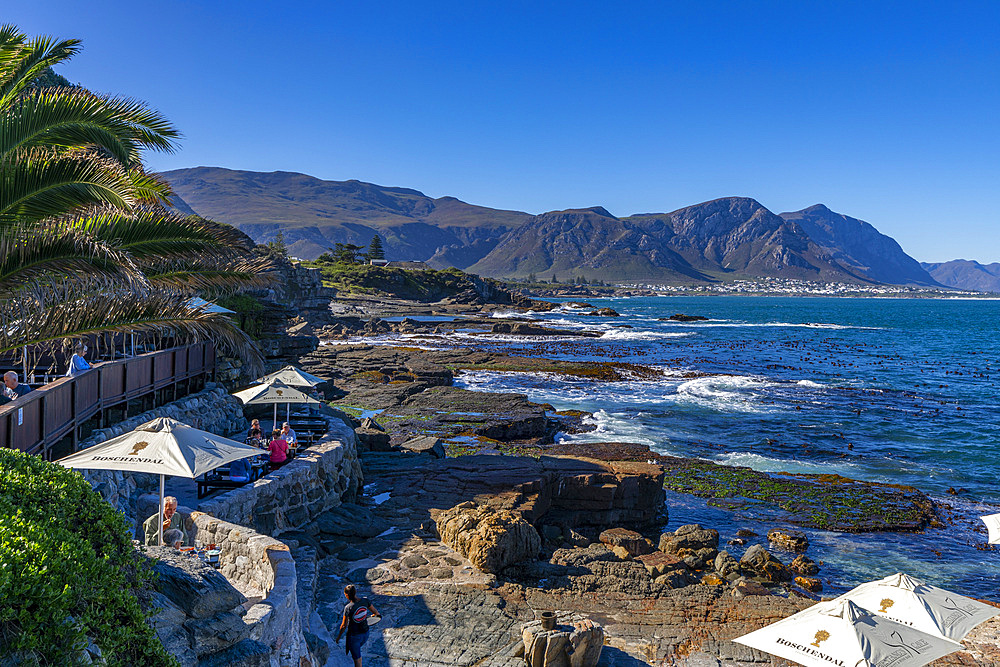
{"points": [[354, 644]]}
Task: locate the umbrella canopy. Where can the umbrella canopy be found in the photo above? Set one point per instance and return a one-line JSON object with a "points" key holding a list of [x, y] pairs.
{"points": [[275, 392], [197, 303], [162, 446], [928, 608], [293, 377], [992, 522], [842, 634]]}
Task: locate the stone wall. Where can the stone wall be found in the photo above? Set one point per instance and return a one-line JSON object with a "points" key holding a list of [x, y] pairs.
{"points": [[322, 477], [212, 409], [262, 568]]}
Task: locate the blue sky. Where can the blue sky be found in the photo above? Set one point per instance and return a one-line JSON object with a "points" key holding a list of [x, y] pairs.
{"points": [[885, 111]]}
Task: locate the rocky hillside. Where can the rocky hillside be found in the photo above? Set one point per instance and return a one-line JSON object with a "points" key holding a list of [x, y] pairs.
{"points": [[966, 274], [734, 237], [729, 238], [585, 242], [859, 247], [314, 214]]}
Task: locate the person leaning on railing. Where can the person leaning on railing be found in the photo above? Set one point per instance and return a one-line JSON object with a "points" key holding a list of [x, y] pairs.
{"points": [[77, 363], [12, 389]]}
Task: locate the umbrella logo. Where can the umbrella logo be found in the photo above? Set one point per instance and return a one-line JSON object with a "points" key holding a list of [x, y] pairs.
{"points": [[951, 605], [138, 447], [886, 603], [278, 392], [821, 636]]}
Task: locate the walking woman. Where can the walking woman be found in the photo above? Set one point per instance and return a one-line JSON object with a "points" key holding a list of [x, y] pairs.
{"points": [[355, 621]]}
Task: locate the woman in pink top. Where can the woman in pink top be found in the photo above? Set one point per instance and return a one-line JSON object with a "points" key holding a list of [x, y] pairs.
{"points": [[279, 450]]}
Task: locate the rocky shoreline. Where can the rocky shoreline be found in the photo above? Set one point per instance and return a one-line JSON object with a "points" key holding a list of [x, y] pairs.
{"points": [[466, 532]]}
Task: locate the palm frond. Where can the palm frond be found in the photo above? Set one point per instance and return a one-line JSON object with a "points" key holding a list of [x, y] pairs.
{"points": [[84, 309], [29, 59], [35, 184], [30, 254], [215, 277], [153, 235]]}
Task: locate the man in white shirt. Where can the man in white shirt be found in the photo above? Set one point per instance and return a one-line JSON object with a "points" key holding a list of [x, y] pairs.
{"points": [[289, 435]]}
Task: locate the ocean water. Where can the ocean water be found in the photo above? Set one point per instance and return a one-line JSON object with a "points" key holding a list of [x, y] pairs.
{"points": [[889, 390]]}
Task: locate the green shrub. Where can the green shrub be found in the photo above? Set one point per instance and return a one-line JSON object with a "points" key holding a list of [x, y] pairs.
{"points": [[68, 571]]}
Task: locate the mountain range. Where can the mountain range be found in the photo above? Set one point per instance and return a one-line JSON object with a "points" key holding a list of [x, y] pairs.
{"points": [[723, 239], [966, 274]]}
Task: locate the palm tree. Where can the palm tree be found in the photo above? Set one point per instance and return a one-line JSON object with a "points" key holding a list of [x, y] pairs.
{"points": [[86, 246]]}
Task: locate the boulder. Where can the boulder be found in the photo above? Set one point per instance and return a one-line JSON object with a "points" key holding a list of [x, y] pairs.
{"points": [[789, 540], [691, 537], [804, 565], [198, 589], [626, 543], [727, 566], [372, 440], [697, 545], [758, 563], [369, 422], [425, 445], [680, 317], [811, 584], [576, 642], [659, 563], [246, 653], [604, 312], [712, 579], [744, 587], [490, 538]]}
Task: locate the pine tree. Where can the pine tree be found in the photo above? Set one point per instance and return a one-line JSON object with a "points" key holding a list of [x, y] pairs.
{"points": [[554, 278], [277, 247], [375, 249]]}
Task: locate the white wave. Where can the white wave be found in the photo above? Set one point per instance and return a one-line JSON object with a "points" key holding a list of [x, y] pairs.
{"points": [[724, 392], [769, 464], [613, 427], [637, 334], [803, 325], [810, 383]]}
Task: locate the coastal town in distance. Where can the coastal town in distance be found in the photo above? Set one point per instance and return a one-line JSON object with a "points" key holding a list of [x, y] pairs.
{"points": [[440, 335]]}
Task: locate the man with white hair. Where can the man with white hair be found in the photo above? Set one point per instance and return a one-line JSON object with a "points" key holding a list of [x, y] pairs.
{"points": [[171, 521], [11, 388]]}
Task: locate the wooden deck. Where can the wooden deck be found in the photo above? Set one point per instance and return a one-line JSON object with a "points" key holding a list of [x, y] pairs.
{"points": [[52, 419]]}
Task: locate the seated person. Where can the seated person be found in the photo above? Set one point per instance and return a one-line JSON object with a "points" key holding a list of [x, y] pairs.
{"points": [[289, 435], [78, 363], [255, 433], [279, 450], [11, 388], [239, 470], [173, 538], [171, 520]]}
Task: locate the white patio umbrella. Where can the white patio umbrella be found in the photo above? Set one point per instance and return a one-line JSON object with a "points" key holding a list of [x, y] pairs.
{"points": [[197, 303], [274, 392], [924, 607], [293, 377], [162, 447], [992, 522], [840, 632]]}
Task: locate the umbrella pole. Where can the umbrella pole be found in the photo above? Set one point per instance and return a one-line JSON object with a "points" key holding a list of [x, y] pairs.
{"points": [[288, 412], [161, 510], [275, 425]]}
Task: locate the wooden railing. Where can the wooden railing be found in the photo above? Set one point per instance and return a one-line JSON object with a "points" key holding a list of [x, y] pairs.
{"points": [[54, 413]]}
